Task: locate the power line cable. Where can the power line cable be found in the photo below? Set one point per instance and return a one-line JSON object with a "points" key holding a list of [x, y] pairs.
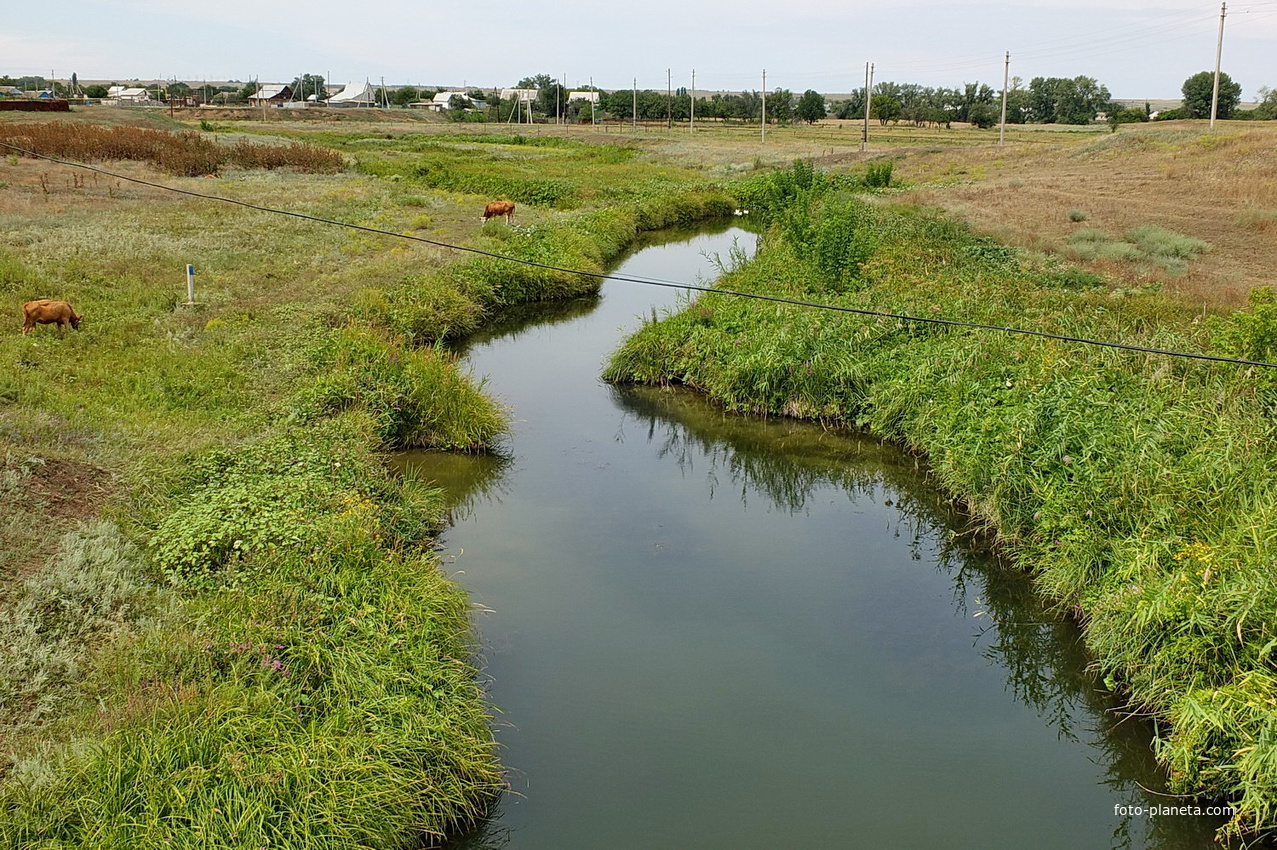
{"points": [[775, 299]]}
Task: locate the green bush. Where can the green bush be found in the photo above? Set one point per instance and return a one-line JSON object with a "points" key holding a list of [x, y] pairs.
{"points": [[93, 587], [878, 174], [414, 397]]}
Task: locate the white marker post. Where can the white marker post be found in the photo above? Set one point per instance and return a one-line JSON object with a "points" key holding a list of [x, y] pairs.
{"points": [[190, 285]]}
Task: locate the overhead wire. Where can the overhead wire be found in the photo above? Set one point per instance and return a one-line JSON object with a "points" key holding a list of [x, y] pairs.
{"points": [[646, 281]]}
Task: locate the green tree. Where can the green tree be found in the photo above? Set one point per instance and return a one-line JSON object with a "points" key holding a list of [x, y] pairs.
{"points": [[307, 84], [405, 95], [811, 107], [1199, 90], [1267, 109], [885, 108], [96, 91], [982, 115], [780, 106], [1055, 100], [540, 81], [551, 100]]}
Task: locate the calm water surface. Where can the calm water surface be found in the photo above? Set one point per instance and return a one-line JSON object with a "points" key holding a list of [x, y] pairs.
{"points": [[714, 631]]}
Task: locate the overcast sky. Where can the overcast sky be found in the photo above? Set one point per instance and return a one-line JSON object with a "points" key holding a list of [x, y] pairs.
{"points": [[1137, 49]]}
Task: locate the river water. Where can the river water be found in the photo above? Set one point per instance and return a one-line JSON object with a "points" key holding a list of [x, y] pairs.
{"points": [[704, 630]]}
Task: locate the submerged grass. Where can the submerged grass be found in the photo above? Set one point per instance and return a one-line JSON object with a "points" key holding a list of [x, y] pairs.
{"points": [[1140, 489]]}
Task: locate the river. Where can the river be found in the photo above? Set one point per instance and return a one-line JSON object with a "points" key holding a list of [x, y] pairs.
{"points": [[704, 630]]}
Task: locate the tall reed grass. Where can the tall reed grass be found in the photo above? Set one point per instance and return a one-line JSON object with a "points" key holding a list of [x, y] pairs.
{"points": [[1139, 489], [186, 154]]}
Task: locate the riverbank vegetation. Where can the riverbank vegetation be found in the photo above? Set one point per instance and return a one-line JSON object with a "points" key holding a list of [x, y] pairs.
{"points": [[1137, 487], [228, 624]]}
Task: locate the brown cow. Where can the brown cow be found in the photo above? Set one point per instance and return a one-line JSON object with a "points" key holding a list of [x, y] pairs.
{"points": [[496, 208], [48, 312]]}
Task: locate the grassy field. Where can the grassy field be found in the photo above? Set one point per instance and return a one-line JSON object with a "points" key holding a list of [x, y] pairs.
{"points": [[228, 625]]}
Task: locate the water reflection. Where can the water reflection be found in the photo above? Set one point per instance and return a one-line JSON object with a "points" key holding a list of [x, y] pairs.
{"points": [[874, 635], [1042, 654], [465, 479]]}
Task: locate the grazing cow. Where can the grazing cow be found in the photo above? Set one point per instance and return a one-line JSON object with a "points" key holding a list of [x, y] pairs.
{"points": [[48, 312], [496, 208]]}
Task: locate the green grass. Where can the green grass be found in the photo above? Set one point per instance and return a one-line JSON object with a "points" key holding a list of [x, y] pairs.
{"points": [[259, 647], [1152, 246], [1139, 489]]}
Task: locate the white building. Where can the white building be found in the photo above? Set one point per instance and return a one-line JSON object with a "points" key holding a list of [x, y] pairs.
{"points": [[354, 95], [125, 94]]}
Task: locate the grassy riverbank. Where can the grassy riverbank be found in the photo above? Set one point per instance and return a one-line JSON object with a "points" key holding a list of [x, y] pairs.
{"points": [[1139, 488], [229, 627]]}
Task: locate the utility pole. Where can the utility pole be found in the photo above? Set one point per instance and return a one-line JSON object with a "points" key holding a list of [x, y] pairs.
{"points": [[693, 101], [1006, 76], [669, 102], [1219, 50], [634, 117], [594, 104], [764, 106], [864, 134]]}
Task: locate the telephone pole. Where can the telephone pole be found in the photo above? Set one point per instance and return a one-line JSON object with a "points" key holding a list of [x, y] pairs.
{"points": [[693, 102], [669, 101], [1006, 75], [864, 135], [764, 105], [1219, 50], [634, 117]]}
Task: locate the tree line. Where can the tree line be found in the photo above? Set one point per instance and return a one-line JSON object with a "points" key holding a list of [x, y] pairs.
{"points": [[1045, 100]]}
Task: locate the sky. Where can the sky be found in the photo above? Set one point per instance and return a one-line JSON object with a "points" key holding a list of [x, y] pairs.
{"points": [[1139, 49]]}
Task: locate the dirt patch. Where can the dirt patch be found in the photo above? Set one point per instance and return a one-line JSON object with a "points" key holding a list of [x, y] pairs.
{"points": [[40, 500], [1220, 188], [68, 488]]}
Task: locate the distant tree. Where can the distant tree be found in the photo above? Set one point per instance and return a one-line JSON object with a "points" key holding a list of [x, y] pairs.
{"points": [[538, 82], [178, 89], [1199, 91], [405, 95], [618, 104], [885, 108], [1056, 100], [811, 107], [982, 115], [780, 106], [249, 89], [96, 91], [1267, 109], [1017, 102], [307, 84], [851, 108]]}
